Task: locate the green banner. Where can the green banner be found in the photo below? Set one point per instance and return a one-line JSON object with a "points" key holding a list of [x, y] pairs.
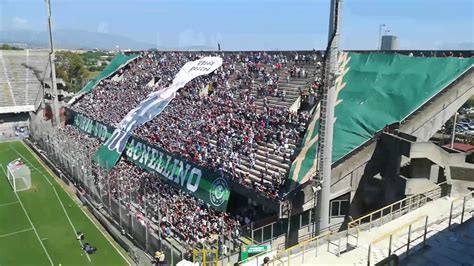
{"points": [[258, 249], [106, 158], [375, 90], [198, 181], [119, 61], [253, 250]]}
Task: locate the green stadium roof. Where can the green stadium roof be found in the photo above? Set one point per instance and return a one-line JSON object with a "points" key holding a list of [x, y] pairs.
{"points": [[376, 90]]}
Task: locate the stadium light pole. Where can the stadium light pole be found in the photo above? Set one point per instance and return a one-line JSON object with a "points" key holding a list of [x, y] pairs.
{"points": [[56, 119], [326, 121]]}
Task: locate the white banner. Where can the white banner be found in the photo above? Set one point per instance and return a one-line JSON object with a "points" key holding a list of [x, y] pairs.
{"points": [[152, 106]]}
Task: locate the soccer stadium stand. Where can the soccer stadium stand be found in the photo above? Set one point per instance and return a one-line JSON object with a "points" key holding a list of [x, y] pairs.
{"points": [[20, 74], [182, 216], [239, 122], [236, 120]]}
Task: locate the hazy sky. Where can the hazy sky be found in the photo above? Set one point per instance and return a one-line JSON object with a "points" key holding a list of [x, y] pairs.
{"points": [[255, 24]]}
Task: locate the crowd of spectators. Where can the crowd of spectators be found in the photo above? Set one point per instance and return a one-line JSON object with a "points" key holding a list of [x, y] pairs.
{"points": [[212, 121], [147, 197]]}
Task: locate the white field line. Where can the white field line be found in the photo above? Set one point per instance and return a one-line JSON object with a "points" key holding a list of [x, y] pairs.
{"points": [[10, 203], [29, 219], [70, 222], [17, 232], [85, 213], [57, 196]]}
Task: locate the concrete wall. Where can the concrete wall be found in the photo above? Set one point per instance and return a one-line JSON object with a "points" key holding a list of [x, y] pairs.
{"points": [[429, 120], [420, 168]]}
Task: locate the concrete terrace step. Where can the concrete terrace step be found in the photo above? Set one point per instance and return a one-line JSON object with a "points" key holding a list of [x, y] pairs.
{"points": [[276, 101]]}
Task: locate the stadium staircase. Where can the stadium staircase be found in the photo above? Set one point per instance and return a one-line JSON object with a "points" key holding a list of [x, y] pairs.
{"points": [[292, 88], [274, 163], [268, 160], [451, 162]]}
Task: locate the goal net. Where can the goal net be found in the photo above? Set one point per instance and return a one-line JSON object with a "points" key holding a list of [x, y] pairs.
{"points": [[19, 175]]}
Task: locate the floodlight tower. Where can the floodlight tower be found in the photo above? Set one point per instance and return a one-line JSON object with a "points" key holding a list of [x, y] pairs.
{"points": [[326, 121], [56, 119]]}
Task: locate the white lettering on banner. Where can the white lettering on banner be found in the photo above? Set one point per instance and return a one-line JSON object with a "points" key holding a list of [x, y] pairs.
{"points": [[172, 168], [190, 186], [166, 171], [183, 174], [130, 149], [175, 170], [145, 154], [101, 131], [90, 126], [159, 164], [152, 161], [136, 152]]}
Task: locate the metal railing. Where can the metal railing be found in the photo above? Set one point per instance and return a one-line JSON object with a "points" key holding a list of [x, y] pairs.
{"points": [[391, 212], [302, 248], [206, 257], [263, 233], [464, 199], [376, 218], [411, 237], [269, 232]]}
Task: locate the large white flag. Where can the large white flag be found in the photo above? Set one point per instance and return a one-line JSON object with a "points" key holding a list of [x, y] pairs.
{"points": [[108, 155]]}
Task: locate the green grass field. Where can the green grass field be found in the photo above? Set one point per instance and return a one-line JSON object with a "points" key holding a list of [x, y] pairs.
{"points": [[37, 226]]}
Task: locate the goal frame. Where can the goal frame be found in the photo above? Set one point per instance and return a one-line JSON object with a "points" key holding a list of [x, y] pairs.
{"points": [[13, 178]]}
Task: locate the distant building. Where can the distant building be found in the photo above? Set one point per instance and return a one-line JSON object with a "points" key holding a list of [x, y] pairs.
{"points": [[390, 42]]}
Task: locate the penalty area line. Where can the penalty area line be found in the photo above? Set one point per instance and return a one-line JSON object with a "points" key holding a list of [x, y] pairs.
{"points": [[10, 203], [17, 232], [29, 219]]}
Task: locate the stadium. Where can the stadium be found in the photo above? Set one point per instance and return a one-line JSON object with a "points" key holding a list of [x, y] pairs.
{"points": [[239, 158]]}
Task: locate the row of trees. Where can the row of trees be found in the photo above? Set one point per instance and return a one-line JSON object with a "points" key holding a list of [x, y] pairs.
{"points": [[71, 68], [77, 68], [9, 47]]}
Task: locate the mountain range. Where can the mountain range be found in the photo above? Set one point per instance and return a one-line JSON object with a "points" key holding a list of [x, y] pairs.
{"points": [[80, 39]]}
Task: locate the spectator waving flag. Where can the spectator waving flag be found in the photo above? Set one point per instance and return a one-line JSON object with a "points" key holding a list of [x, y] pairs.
{"points": [[109, 153]]}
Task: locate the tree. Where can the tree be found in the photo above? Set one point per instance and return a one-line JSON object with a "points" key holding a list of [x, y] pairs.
{"points": [[71, 68], [9, 47]]}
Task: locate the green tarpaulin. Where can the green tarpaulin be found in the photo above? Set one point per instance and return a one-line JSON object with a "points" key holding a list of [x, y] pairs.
{"points": [[118, 61], [377, 90]]}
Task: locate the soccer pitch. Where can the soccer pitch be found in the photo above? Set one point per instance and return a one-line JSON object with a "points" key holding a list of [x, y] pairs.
{"points": [[38, 226]]}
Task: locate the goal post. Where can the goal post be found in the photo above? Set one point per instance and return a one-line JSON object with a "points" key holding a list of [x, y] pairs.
{"points": [[19, 175]]}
